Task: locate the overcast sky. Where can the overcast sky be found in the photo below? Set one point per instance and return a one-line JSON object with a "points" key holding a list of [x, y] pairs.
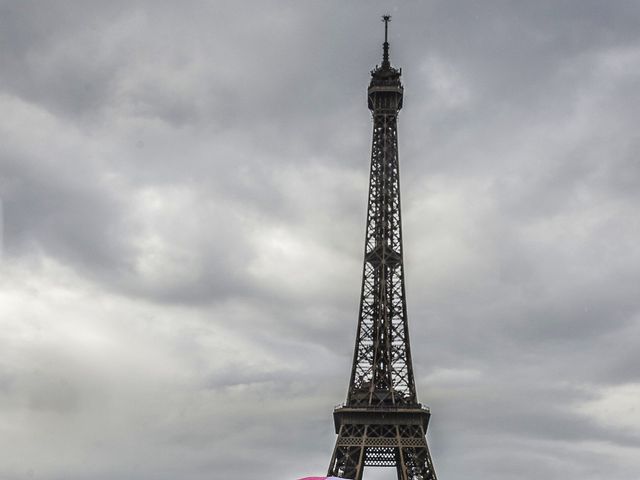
{"points": [[183, 190]]}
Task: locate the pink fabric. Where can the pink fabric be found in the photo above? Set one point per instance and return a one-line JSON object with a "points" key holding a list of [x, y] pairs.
{"points": [[319, 478]]}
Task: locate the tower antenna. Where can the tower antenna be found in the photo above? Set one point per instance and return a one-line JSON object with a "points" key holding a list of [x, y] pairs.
{"points": [[385, 52]]}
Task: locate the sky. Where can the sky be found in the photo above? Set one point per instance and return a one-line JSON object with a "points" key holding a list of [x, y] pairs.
{"points": [[183, 194]]}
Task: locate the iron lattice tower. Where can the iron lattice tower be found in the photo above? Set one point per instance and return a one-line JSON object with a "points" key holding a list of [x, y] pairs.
{"points": [[382, 424]]}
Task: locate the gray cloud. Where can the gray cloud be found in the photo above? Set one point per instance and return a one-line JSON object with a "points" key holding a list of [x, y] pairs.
{"points": [[184, 202]]}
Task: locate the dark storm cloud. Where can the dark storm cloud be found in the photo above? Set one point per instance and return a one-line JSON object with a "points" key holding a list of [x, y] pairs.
{"points": [[184, 198]]}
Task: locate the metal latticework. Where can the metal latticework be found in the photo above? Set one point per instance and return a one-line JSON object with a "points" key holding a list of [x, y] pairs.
{"points": [[382, 424]]}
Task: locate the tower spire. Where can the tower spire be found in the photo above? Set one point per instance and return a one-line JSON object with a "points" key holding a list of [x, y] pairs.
{"points": [[385, 46]]}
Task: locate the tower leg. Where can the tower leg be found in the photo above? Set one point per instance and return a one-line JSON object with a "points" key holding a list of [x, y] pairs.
{"points": [[418, 464], [401, 470], [401, 465], [348, 456]]}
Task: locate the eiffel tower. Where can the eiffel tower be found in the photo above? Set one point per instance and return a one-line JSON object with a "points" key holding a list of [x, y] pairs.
{"points": [[382, 424]]}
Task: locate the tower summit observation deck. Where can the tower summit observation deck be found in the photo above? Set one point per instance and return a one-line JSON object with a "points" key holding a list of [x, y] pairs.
{"points": [[382, 424]]}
